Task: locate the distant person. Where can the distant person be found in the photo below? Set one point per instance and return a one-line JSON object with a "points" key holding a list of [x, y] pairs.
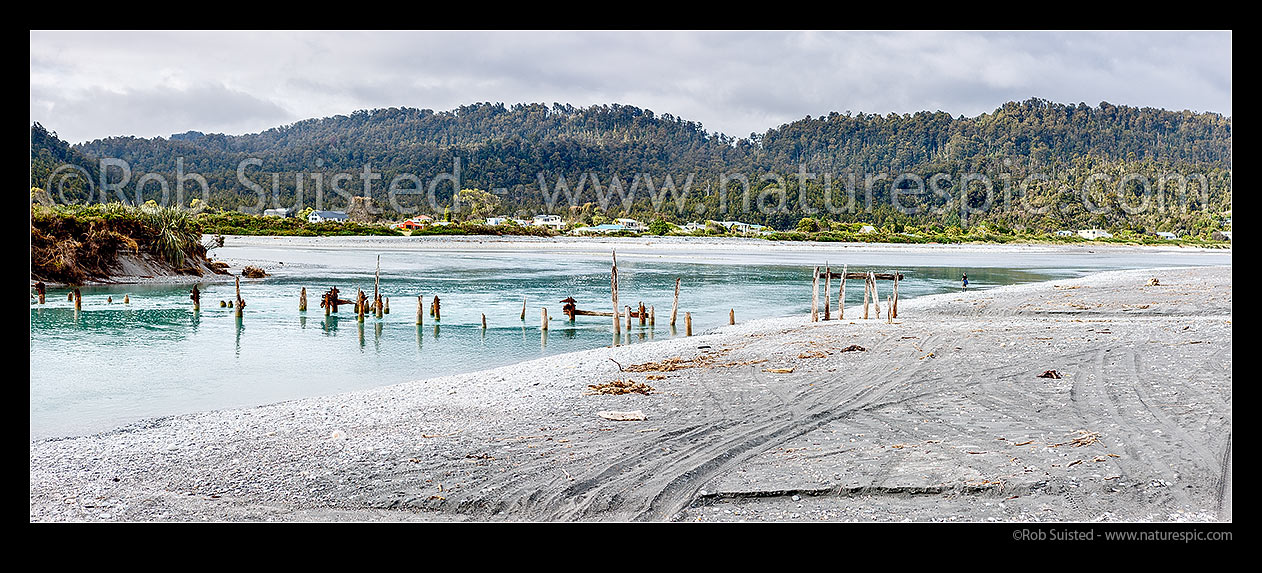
{"points": [[965, 278]]}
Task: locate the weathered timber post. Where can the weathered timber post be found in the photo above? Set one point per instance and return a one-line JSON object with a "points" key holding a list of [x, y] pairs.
{"points": [[438, 309], [652, 316], [628, 313], [240, 301], [815, 295], [613, 288], [420, 306], [376, 289], [687, 324], [841, 298], [674, 308], [894, 304], [731, 316], [387, 310], [867, 290], [828, 292], [523, 309], [876, 296], [70, 296], [302, 300], [543, 318], [196, 296], [39, 289], [126, 299], [484, 321], [78, 300], [109, 300], [643, 318], [360, 302]]}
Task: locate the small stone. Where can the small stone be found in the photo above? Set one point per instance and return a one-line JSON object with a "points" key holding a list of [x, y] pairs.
{"points": [[797, 498]]}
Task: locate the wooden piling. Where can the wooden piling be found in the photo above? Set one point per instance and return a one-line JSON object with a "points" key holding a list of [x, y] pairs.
{"points": [[126, 299], [523, 309], [484, 321], [387, 302], [628, 313], [894, 304], [652, 316], [40, 289], [543, 317], [438, 309], [70, 296], [841, 297], [78, 300], [867, 289], [828, 293], [731, 316], [876, 297], [687, 324], [643, 312], [109, 300], [302, 300], [613, 288], [674, 308], [420, 306], [814, 295], [196, 296], [240, 301], [361, 301]]}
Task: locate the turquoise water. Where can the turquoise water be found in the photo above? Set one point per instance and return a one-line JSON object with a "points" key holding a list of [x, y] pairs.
{"points": [[111, 364]]}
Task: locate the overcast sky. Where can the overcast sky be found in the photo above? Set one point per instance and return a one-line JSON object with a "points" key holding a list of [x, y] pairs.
{"points": [[88, 85]]}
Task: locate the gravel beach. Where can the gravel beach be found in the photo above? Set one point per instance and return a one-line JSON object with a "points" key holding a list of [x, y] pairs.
{"points": [[939, 415]]}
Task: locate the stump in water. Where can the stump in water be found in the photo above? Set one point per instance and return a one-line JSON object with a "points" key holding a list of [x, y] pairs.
{"points": [[687, 324], [523, 309], [240, 301], [39, 289], [543, 317], [674, 308], [253, 272], [438, 309], [387, 309], [420, 304], [78, 299], [302, 300], [731, 316], [126, 299]]}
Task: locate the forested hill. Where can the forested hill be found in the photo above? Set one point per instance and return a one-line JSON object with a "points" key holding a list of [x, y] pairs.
{"points": [[525, 149]]}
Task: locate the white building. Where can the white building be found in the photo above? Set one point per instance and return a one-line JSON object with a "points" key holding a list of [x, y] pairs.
{"points": [[553, 222], [693, 227], [1065, 233], [1168, 236], [867, 229], [496, 221], [1092, 234], [632, 225], [322, 216], [288, 212]]}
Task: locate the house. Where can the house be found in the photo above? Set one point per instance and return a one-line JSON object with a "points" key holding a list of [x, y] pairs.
{"points": [[323, 216], [1168, 236], [1065, 233], [1092, 234], [1220, 236], [739, 227], [553, 222], [632, 225], [867, 229], [693, 227], [416, 223], [495, 221], [283, 213]]}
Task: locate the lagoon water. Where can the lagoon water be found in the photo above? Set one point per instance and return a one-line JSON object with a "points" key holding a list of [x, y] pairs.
{"points": [[112, 364]]}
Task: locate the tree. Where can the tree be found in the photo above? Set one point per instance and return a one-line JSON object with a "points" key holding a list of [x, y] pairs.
{"points": [[659, 227], [478, 203], [808, 225]]}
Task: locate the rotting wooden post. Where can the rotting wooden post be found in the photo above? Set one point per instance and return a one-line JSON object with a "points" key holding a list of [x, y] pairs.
{"points": [[78, 300], [815, 295], [387, 309], [687, 324], [652, 316], [523, 309], [894, 303], [841, 297], [438, 309], [484, 321], [628, 313], [876, 297], [674, 308], [828, 292], [376, 288], [613, 288], [420, 306], [126, 299], [39, 289], [543, 318], [70, 296], [196, 296], [360, 302], [240, 301], [867, 290], [643, 319], [731, 316], [302, 300]]}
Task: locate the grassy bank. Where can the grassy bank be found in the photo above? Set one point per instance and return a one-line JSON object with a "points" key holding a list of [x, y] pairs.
{"points": [[74, 243]]}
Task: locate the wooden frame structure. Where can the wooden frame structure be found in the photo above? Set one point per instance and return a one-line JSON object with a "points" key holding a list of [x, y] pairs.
{"points": [[870, 292]]}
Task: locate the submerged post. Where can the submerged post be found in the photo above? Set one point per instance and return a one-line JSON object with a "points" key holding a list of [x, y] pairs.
{"points": [[78, 299], [39, 289], [523, 309], [815, 295], [484, 321], [302, 300], [687, 324], [628, 320], [420, 305], [613, 288], [126, 299], [731, 316], [361, 301], [387, 310], [643, 318], [196, 296], [438, 309], [674, 308], [240, 301], [543, 318], [652, 316]]}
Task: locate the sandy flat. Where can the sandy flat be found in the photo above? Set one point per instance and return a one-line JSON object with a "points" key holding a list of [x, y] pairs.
{"points": [[941, 417]]}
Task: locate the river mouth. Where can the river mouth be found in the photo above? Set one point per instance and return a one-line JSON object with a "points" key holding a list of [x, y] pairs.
{"points": [[114, 363]]}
